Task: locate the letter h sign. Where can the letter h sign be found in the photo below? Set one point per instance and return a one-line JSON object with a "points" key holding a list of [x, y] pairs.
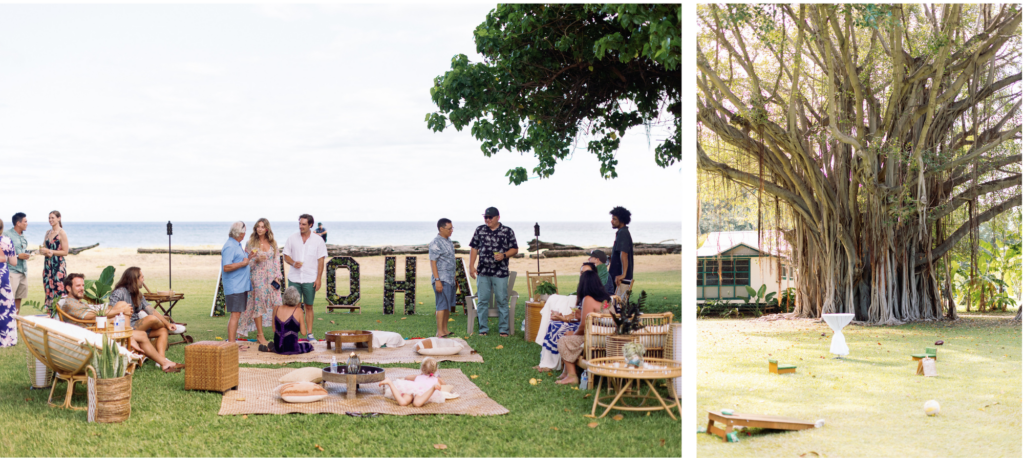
{"points": [[391, 286]]}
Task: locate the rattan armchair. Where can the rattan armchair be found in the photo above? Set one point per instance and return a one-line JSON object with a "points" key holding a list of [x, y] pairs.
{"points": [[653, 335]]}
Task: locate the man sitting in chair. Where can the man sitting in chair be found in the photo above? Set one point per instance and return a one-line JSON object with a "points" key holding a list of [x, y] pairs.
{"points": [[74, 307], [600, 261]]}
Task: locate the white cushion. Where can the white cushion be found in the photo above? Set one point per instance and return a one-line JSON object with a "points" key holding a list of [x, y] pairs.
{"points": [[391, 339], [75, 332], [301, 392], [438, 347], [305, 374]]}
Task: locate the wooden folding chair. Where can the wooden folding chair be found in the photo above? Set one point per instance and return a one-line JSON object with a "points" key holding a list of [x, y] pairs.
{"points": [[534, 279]]}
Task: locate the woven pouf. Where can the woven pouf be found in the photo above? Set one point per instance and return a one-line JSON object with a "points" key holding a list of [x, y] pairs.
{"points": [[211, 366]]}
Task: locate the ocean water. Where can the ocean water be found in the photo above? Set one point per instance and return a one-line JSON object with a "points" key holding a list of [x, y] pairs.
{"points": [[189, 234]]}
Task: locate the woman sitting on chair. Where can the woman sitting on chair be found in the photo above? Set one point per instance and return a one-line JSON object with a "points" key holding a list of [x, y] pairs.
{"points": [[144, 317], [561, 324], [590, 298]]}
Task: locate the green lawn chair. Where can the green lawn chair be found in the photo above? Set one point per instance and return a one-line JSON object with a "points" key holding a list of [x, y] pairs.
{"points": [[929, 352]]}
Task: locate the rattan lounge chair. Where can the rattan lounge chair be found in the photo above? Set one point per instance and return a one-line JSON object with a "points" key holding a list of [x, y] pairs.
{"points": [[65, 353]]}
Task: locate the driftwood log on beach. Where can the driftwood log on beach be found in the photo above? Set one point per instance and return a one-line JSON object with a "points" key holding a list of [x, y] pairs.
{"points": [[638, 247], [71, 251], [552, 246], [332, 250], [192, 252], [82, 248], [570, 253], [356, 251]]}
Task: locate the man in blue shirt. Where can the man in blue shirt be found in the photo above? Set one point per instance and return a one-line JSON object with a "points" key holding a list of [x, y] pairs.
{"points": [[236, 280], [442, 273]]}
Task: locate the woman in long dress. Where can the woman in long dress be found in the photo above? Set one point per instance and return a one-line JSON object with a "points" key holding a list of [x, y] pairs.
{"points": [[264, 270], [8, 330], [55, 248]]}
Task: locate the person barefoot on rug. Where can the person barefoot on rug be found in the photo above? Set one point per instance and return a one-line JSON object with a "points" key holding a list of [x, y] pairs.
{"points": [[570, 346], [74, 284], [418, 389], [127, 292], [289, 325]]}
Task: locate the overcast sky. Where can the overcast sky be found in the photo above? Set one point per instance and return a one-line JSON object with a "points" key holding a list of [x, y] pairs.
{"points": [[224, 112]]}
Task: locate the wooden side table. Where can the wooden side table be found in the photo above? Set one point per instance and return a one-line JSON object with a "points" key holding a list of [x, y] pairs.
{"points": [[533, 319], [122, 337], [171, 298], [618, 379], [362, 339]]}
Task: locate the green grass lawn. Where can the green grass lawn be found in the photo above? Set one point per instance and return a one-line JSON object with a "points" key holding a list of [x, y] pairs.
{"points": [[872, 401], [167, 420]]}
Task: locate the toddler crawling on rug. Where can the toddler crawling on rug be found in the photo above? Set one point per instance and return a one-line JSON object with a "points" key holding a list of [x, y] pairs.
{"points": [[418, 389]]}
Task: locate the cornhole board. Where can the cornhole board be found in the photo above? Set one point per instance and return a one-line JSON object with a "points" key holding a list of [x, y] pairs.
{"points": [[753, 421]]}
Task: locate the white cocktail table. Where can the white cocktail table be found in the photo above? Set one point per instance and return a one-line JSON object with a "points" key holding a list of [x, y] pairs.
{"points": [[837, 321]]}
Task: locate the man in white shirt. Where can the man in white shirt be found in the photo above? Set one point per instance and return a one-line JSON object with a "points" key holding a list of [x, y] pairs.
{"points": [[302, 252]]}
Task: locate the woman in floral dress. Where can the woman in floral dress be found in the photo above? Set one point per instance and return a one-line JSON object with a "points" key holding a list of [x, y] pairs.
{"points": [[265, 268], [55, 249], [8, 330]]}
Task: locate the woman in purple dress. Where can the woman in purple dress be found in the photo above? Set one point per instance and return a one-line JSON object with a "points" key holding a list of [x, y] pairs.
{"points": [[289, 324], [8, 330], [55, 248]]}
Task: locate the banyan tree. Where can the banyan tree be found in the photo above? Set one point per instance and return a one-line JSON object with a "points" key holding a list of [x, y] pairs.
{"points": [[884, 134]]}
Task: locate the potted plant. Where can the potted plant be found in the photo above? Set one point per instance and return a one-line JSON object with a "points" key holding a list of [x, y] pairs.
{"points": [[98, 291], [627, 321], [544, 290], [110, 388]]}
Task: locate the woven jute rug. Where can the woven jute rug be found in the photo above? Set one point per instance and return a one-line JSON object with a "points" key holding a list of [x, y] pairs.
{"points": [[404, 354], [255, 396]]}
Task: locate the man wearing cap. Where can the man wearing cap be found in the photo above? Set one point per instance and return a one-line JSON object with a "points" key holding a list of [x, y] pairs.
{"points": [[494, 243], [600, 260]]}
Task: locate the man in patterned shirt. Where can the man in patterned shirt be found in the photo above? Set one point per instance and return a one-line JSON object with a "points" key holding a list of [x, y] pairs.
{"points": [[494, 243], [442, 269]]}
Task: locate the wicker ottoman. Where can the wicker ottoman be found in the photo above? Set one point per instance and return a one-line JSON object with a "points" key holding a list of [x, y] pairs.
{"points": [[211, 366]]}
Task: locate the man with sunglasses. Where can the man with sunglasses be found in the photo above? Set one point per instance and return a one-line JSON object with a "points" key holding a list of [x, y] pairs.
{"points": [[494, 243]]}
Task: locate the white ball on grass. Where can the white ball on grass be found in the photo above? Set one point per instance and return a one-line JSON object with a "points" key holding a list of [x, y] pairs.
{"points": [[931, 408]]}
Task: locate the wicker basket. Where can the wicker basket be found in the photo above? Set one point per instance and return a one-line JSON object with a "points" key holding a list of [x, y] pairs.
{"points": [[614, 344], [110, 400], [533, 319], [40, 375], [211, 366]]}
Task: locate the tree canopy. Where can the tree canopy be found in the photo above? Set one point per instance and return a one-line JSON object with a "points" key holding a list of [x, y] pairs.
{"points": [[555, 74], [887, 133]]}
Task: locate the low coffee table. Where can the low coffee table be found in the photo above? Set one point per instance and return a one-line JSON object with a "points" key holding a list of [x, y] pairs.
{"points": [[367, 374], [618, 378], [122, 337], [362, 339]]}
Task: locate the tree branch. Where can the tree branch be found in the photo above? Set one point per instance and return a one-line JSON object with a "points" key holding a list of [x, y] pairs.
{"points": [[947, 244]]}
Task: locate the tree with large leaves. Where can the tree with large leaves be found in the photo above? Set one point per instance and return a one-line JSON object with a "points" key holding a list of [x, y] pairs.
{"points": [[887, 133], [555, 74]]}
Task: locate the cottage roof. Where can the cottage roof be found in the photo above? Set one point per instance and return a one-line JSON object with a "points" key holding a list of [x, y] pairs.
{"points": [[717, 243]]}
